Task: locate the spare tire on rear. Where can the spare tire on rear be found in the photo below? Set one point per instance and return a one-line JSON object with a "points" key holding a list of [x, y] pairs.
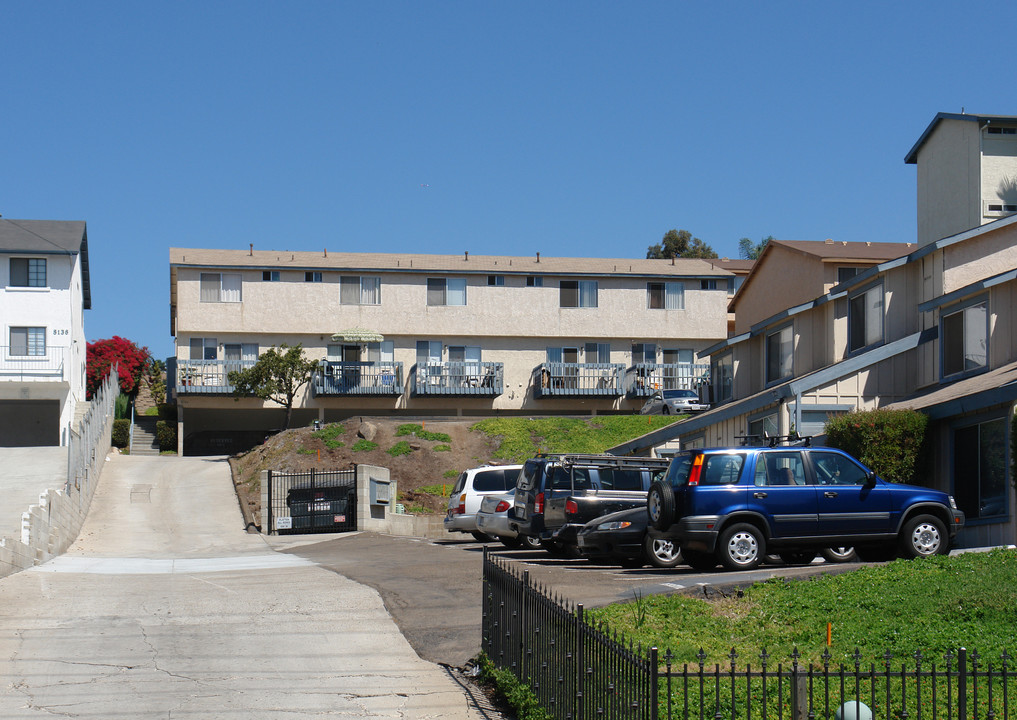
{"points": [[660, 505]]}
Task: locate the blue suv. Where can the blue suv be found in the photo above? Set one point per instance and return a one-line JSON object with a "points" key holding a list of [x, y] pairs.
{"points": [[736, 505]]}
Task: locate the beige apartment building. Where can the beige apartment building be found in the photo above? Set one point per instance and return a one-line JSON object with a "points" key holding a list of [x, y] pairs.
{"points": [[930, 326], [434, 335]]}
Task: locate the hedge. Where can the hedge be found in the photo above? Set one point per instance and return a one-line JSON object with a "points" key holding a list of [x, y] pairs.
{"points": [[889, 442]]}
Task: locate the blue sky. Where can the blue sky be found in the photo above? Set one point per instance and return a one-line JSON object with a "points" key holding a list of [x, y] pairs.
{"points": [[565, 128]]}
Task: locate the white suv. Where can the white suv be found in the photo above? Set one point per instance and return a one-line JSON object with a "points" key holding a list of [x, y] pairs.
{"points": [[470, 489]]}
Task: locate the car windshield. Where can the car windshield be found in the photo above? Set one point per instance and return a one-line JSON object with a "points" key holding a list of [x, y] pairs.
{"points": [[683, 394]]}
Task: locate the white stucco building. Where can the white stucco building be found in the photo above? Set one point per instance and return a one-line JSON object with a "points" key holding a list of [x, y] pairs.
{"points": [[439, 335], [44, 291]]}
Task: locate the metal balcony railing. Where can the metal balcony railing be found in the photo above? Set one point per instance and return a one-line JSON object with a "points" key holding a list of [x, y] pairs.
{"points": [[358, 378], [644, 379], [208, 377], [561, 379], [482, 379], [18, 367]]}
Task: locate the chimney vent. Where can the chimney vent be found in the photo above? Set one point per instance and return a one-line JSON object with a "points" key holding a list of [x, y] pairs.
{"points": [[467, 256], [251, 251], [538, 257]]}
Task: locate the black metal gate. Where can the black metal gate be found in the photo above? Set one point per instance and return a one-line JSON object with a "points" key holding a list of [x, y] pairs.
{"points": [[312, 502]]}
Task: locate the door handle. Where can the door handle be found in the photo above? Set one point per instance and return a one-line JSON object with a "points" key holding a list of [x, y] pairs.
{"points": [[759, 495], [830, 494]]}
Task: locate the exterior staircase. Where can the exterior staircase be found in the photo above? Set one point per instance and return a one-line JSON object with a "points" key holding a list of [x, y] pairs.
{"points": [[144, 440], [80, 408]]}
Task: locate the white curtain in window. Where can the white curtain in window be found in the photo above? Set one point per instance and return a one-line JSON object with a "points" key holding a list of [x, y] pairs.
{"points": [[231, 284], [874, 315], [210, 284], [554, 354], [588, 293], [349, 290], [370, 291], [674, 296], [456, 291]]}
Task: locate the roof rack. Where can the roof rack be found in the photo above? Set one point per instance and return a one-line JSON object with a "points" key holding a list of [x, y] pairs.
{"points": [[775, 440], [603, 459]]}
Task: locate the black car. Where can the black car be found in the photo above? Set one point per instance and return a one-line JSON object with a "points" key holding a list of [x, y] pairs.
{"points": [[622, 538]]}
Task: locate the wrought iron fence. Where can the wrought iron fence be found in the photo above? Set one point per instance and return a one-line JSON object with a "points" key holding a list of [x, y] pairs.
{"points": [[579, 671], [312, 502]]}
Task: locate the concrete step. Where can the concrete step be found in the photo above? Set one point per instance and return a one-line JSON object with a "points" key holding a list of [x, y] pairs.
{"points": [[145, 441]]}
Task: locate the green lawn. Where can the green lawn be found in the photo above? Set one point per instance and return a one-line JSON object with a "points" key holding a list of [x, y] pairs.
{"points": [[932, 605]]}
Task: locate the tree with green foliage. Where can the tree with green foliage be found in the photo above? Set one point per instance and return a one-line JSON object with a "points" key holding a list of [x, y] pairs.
{"points": [[277, 376], [750, 250], [680, 244], [889, 442]]}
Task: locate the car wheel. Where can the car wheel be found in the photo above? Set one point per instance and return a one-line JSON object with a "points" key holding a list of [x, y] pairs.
{"points": [[700, 561], [803, 557], [839, 554], [741, 547], [481, 537], [530, 543], [660, 505], [666, 410], [923, 536], [510, 542], [878, 553], [661, 553]]}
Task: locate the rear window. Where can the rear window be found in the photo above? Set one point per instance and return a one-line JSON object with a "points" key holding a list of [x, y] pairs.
{"points": [[460, 483], [529, 476], [716, 469]]}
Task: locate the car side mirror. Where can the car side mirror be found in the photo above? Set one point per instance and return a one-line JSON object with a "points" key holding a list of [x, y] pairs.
{"points": [[870, 479]]}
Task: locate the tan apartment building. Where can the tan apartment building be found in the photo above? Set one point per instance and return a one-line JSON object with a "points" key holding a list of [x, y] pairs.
{"points": [[434, 335], [934, 329]]}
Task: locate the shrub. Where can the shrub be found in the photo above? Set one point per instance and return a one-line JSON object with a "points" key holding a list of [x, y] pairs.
{"points": [[442, 448], [890, 442], [329, 435], [421, 433], [121, 407], [400, 448], [121, 433], [166, 434], [364, 446]]}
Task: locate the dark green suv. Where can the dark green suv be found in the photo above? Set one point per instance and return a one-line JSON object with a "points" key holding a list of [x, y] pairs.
{"points": [[736, 505]]}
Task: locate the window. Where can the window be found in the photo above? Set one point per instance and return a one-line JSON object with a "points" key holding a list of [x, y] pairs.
{"points": [[28, 341], [780, 469], [779, 354], [312, 276], [238, 351], [865, 319], [28, 272], [979, 469], [496, 280], [270, 275], [644, 353], [765, 426], [964, 336], [206, 349], [722, 373], [534, 281], [356, 290], [598, 352], [221, 287], [678, 357], [665, 296], [446, 291], [846, 273], [836, 469], [1001, 130], [707, 284], [578, 293]]}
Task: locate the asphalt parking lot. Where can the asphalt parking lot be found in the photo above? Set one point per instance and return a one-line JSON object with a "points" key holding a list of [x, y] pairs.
{"points": [[433, 588]]}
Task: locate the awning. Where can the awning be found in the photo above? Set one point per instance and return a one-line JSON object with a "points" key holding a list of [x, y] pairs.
{"points": [[358, 335]]}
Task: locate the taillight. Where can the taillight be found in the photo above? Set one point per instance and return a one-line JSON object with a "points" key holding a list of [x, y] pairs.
{"points": [[538, 504], [697, 468], [461, 510], [503, 506], [571, 507]]}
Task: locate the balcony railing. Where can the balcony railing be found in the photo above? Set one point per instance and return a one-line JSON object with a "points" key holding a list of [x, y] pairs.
{"points": [[644, 379], [47, 367], [208, 377], [358, 378], [561, 379], [483, 379]]}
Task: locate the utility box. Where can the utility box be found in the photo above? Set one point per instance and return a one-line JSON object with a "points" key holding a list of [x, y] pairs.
{"points": [[381, 491]]}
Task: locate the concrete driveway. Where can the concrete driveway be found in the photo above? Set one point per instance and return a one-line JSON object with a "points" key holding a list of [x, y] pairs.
{"points": [[165, 608]]}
